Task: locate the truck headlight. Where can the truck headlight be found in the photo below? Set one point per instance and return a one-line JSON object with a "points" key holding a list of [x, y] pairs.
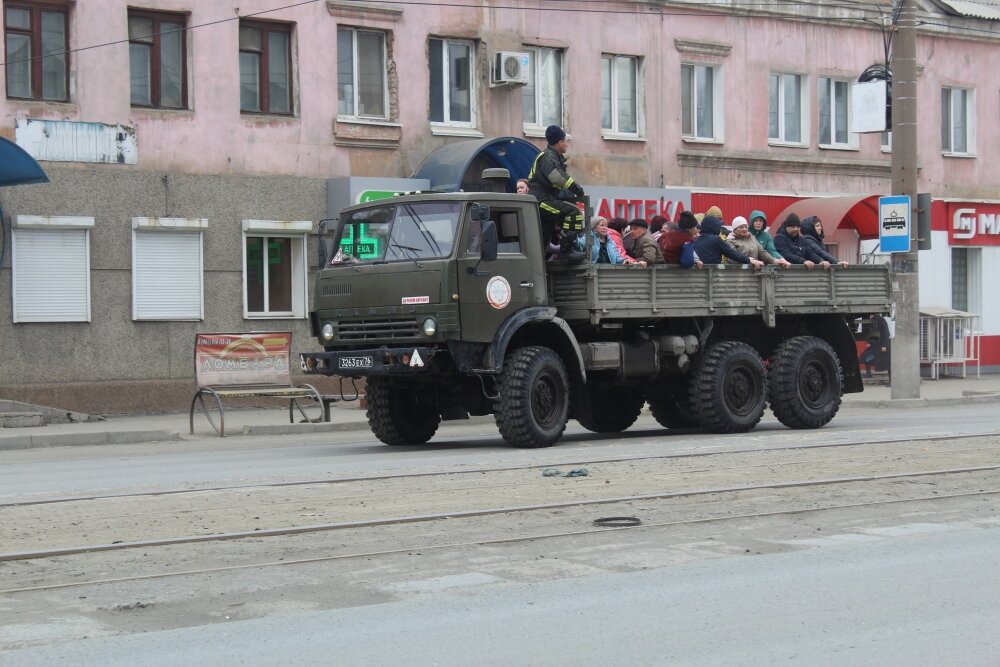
{"points": [[327, 332], [430, 327]]}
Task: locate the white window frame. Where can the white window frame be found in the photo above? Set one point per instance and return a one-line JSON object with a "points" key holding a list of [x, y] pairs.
{"points": [[947, 148], [830, 83], [297, 231], [354, 114], [885, 140], [47, 277], [146, 227], [456, 126], [614, 132], [781, 139], [537, 127], [689, 72]]}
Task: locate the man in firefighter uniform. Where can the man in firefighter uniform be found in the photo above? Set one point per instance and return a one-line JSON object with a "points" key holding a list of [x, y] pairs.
{"points": [[548, 178]]}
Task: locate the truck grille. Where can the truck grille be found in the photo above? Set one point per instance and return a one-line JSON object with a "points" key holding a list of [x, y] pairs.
{"points": [[378, 328]]}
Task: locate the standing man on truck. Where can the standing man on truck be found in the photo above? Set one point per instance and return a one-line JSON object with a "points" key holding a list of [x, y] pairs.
{"points": [[548, 178]]}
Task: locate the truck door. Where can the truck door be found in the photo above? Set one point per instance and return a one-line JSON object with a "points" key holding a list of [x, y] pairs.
{"points": [[490, 292]]}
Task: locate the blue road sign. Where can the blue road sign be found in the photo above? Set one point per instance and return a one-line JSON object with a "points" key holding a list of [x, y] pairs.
{"points": [[894, 223]]}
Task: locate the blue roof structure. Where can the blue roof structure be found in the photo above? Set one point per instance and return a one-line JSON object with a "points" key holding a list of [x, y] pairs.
{"points": [[17, 167], [448, 167]]}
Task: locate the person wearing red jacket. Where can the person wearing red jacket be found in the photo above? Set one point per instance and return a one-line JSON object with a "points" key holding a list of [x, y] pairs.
{"points": [[671, 242]]}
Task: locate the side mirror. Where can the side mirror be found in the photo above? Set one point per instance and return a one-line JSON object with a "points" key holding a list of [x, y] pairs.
{"points": [[479, 212], [488, 249], [325, 244]]}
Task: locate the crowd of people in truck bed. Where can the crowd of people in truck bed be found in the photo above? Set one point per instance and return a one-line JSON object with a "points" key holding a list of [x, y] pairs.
{"points": [[697, 239]]}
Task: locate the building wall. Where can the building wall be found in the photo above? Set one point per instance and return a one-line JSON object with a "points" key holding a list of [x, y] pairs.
{"points": [[115, 364]]}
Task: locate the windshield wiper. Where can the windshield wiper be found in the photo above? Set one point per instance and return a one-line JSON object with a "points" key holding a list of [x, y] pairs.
{"points": [[414, 253], [423, 229]]}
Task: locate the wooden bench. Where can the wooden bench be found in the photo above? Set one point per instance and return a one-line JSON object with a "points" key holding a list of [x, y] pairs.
{"points": [[240, 365]]}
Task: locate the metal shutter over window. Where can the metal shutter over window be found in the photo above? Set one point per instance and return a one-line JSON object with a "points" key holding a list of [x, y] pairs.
{"points": [[167, 276], [51, 274]]}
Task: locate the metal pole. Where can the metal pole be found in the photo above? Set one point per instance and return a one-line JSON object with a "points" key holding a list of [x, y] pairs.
{"points": [[905, 363]]}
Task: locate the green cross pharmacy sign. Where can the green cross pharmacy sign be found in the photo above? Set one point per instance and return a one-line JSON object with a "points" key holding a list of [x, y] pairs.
{"points": [[365, 246]]}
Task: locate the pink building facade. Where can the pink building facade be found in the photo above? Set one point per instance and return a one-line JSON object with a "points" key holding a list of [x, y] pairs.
{"points": [[221, 131]]}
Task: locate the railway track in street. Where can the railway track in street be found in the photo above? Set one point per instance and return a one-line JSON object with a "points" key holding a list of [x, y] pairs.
{"points": [[454, 509], [577, 462]]}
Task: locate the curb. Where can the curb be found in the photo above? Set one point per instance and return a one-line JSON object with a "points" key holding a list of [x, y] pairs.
{"points": [[924, 402], [91, 438], [139, 437], [17, 442]]}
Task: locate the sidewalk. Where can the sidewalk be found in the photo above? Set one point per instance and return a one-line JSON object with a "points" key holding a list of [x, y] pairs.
{"points": [[349, 416]]}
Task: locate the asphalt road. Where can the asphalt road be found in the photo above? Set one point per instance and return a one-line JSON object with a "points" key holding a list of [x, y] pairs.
{"points": [[917, 595], [83, 469], [894, 581]]}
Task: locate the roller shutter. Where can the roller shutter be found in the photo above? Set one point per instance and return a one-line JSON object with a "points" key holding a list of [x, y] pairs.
{"points": [[51, 275], [167, 276]]}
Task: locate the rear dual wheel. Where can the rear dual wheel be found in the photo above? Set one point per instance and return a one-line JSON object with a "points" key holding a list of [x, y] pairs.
{"points": [[728, 390], [670, 403], [806, 382]]}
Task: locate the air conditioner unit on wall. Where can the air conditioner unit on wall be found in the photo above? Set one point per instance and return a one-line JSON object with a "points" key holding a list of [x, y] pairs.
{"points": [[511, 68]]}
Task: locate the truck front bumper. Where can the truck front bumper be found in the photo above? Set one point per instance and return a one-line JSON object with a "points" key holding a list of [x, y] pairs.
{"points": [[379, 361]]}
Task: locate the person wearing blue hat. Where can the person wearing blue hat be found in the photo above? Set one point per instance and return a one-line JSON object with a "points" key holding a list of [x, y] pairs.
{"points": [[547, 179]]}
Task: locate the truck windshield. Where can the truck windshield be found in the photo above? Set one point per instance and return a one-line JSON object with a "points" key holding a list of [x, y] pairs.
{"points": [[397, 233]]}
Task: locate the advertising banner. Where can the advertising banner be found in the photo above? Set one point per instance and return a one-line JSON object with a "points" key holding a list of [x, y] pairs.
{"points": [[973, 224], [242, 359]]}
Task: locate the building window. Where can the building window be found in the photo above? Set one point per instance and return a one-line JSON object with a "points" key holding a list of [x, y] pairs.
{"points": [[50, 268], [785, 110], [452, 84], [361, 80], [167, 268], [834, 120], [275, 271], [156, 50], [960, 279], [886, 141], [37, 59], [620, 94], [265, 67], [542, 96], [957, 121], [699, 84]]}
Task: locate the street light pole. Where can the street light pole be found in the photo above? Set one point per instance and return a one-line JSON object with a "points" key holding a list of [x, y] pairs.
{"points": [[905, 359]]}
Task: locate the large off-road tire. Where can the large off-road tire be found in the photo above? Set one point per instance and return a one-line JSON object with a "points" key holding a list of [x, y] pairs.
{"points": [[806, 382], [399, 415], [612, 410], [729, 389], [670, 405], [533, 403]]}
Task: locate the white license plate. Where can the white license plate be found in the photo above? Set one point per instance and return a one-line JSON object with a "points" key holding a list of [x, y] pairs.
{"points": [[364, 361]]}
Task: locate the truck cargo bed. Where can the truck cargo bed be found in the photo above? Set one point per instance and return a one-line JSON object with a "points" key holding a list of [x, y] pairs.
{"points": [[596, 292]]}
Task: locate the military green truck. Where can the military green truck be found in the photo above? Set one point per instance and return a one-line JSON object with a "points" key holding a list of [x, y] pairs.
{"points": [[447, 307]]}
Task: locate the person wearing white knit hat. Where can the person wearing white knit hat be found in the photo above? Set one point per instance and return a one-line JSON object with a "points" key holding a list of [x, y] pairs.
{"points": [[744, 241]]}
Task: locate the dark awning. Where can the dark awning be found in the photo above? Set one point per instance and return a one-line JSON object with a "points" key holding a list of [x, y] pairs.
{"points": [[459, 166], [17, 167], [859, 212]]}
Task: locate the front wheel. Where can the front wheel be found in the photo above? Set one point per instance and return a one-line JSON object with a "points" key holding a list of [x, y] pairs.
{"points": [[806, 382], [612, 410], [729, 388], [533, 403], [399, 415]]}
